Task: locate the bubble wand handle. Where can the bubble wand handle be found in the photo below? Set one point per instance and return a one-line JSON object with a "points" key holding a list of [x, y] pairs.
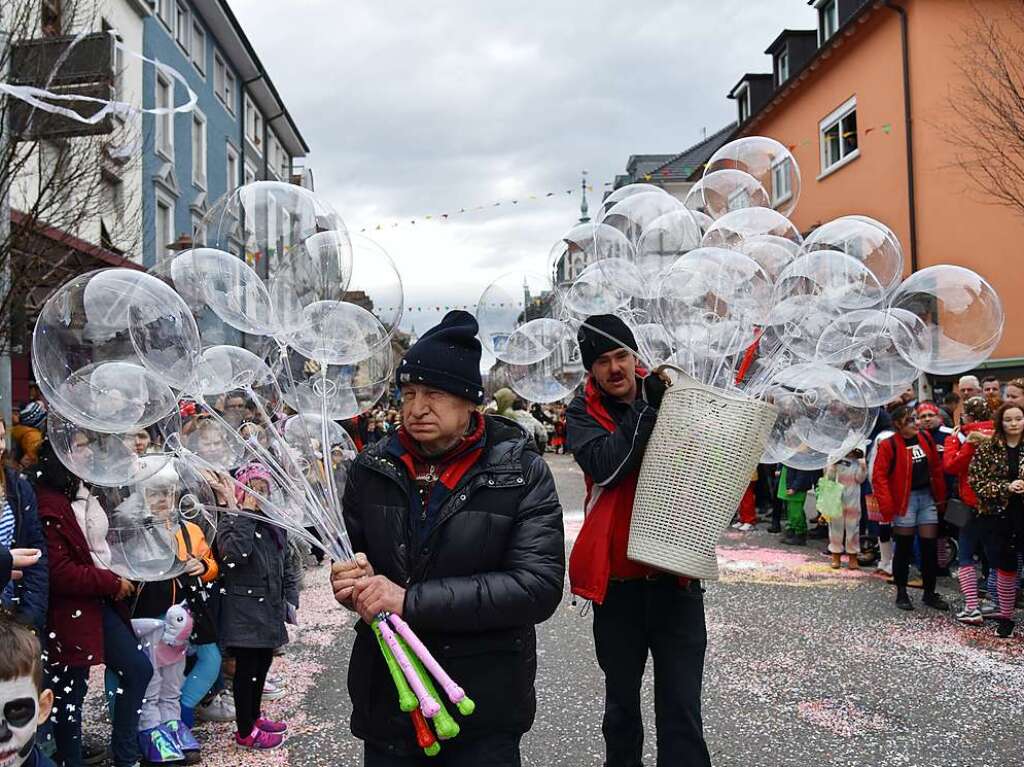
{"points": [[407, 700], [455, 693], [428, 705], [424, 737], [447, 728]]}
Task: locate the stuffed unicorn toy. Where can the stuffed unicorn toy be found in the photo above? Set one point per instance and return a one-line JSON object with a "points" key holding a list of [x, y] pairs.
{"points": [[163, 737]]}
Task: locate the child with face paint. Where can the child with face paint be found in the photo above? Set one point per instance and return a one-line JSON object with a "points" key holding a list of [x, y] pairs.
{"points": [[24, 702]]}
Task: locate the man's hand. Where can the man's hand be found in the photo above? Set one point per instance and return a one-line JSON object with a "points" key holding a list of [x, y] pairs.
{"points": [[654, 388], [344, 576], [977, 437], [195, 567], [376, 593], [1017, 486], [22, 558]]}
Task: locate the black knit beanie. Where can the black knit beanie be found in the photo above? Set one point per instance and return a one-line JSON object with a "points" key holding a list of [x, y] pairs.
{"points": [[602, 333], [446, 357]]}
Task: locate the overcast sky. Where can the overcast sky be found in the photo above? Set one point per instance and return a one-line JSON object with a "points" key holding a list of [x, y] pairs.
{"points": [[416, 109]]}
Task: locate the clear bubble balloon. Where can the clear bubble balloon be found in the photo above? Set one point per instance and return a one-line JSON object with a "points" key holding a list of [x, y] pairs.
{"points": [[511, 300], [962, 316], [376, 284], [584, 245], [338, 333], [107, 459], [228, 286], [737, 227], [665, 239], [340, 391], [821, 408], [552, 378], [866, 242], [216, 443], [726, 190], [715, 299], [108, 346], [769, 162], [156, 525], [867, 342], [622, 193], [771, 252], [632, 215], [288, 233], [605, 286]]}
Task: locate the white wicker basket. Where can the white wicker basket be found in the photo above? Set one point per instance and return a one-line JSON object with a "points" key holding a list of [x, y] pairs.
{"points": [[699, 460]]}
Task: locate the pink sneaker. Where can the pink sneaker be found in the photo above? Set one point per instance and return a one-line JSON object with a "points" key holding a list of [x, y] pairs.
{"points": [[269, 725], [258, 740]]}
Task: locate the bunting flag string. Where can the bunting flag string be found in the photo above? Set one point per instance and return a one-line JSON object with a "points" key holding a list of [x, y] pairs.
{"points": [[444, 217], [688, 170]]}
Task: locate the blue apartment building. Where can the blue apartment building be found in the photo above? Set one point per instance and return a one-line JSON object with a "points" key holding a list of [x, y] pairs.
{"points": [[240, 130]]}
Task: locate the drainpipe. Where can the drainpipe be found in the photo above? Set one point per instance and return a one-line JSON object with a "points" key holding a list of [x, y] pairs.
{"points": [[908, 130]]}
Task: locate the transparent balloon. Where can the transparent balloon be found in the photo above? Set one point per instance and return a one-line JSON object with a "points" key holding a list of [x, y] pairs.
{"points": [[228, 286], [510, 301], [769, 162], [821, 408], [107, 347], [864, 240], [154, 527], [622, 193], [665, 239], [962, 316], [632, 215], [729, 189], [109, 459], [340, 391], [737, 227], [584, 245], [867, 342], [605, 286], [288, 234], [552, 378], [715, 299]]}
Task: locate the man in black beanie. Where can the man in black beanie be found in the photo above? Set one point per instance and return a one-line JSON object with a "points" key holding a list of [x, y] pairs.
{"points": [[637, 610], [459, 531]]}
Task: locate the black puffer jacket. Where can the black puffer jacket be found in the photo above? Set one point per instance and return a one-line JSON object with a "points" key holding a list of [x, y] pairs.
{"points": [[491, 569]]}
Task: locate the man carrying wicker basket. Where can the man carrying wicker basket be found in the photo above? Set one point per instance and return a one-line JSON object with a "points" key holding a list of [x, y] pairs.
{"points": [[637, 609]]}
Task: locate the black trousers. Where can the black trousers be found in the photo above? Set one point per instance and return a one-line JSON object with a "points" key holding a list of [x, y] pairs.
{"points": [[251, 667], [661, 618], [498, 750]]}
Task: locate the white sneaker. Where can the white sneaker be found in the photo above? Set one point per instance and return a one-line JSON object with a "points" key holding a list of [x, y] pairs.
{"points": [[220, 709], [988, 609], [746, 527], [273, 690], [737, 525]]}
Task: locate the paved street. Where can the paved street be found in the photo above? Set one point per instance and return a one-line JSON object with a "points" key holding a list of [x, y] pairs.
{"points": [[806, 666]]}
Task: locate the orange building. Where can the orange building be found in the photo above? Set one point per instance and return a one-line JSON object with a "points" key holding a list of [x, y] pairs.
{"points": [[864, 104]]}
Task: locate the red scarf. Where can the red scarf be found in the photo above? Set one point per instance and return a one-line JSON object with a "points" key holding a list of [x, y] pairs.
{"points": [[449, 466]]}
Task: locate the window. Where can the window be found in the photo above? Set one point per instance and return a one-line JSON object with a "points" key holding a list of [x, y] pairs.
{"points": [[198, 230], [738, 199], [253, 123], [198, 149], [119, 93], [165, 122], [782, 184], [743, 100], [250, 173], [164, 227], [182, 26], [783, 66], [828, 19], [232, 170], [165, 10], [198, 47], [51, 18], [229, 91], [838, 134], [285, 166]]}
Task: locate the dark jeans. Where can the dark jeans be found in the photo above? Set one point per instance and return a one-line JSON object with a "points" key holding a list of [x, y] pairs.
{"points": [[499, 750], [659, 617], [251, 667], [122, 655]]}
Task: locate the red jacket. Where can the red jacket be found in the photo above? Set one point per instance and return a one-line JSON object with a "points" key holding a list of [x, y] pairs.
{"points": [[77, 586], [599, 552], [891, 477], [956, 458]]}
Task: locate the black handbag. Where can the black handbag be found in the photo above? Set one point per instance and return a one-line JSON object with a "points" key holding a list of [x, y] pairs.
{"points": [[958, 513]]}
